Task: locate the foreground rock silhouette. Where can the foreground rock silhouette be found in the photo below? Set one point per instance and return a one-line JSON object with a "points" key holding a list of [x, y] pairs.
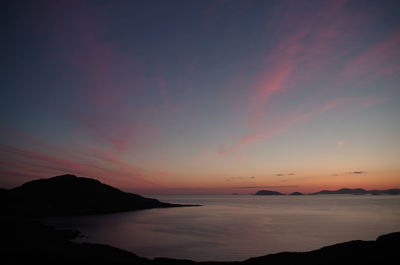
{"points": [[72, 195], [25, 241]]}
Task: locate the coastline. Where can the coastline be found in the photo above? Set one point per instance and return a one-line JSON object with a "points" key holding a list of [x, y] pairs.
{"points": [[26, 241]]}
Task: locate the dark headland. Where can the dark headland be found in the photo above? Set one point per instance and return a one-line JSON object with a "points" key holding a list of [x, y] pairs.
{"points": [[71, 195]]}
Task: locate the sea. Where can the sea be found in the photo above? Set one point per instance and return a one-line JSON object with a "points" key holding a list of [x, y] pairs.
{"points": [[237, 227]]}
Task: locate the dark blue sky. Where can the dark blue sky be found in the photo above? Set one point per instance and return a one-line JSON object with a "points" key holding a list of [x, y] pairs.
{"points": [[171, 96]]}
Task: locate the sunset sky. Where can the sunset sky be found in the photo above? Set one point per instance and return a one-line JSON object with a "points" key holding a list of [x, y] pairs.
{"points": [[204, 96]]}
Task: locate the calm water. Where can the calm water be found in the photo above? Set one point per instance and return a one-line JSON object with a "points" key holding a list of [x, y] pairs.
{"points": [[237, 227]]}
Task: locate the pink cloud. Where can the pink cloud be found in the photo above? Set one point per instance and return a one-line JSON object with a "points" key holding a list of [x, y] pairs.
{"points": [[119, 132], [310, 46], [167, 103], [165, 173], [377, 61], [42, 158], [62, 164], [48, 165], [291, 120], [109, 81], [308, 53], [281, 62]]}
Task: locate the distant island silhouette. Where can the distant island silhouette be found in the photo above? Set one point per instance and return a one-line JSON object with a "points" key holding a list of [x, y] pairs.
{"points": [[357, 191], [268, 192], [71, 195], [296, 193]]}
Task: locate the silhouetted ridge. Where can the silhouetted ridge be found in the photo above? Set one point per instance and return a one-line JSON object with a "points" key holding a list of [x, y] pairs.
{"points": [[296, 193], [343, 191], [390, 191], [351, 191], [72, 195], [359, 191]]}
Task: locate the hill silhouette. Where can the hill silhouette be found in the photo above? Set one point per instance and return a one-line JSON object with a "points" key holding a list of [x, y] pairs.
{"points": [[72, 195], [296, 193], [343, 191], [358, 191]]}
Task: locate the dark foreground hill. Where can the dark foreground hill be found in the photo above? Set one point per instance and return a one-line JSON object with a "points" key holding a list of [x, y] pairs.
{"points": [[71, 195], [30, 242]]}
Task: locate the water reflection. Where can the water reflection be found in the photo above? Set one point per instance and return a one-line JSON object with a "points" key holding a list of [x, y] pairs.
{"points": [[231, 227]]}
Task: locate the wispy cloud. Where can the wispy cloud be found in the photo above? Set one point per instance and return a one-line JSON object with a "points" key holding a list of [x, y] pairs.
{"points": [[281, 126], [266, 187], [120, 133], [356, 172], [110, 86], [296, 66], [240, 178], [165, 173], [39, 164], [377, 61]]}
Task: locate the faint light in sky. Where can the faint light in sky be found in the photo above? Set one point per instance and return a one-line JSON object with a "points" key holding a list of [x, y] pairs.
{"points": [[339, 144]]}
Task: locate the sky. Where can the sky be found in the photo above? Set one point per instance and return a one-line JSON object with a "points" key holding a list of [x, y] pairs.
{"points": [[203, 96]]}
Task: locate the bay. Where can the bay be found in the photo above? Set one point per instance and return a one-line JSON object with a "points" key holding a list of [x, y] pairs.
{"points": [[237, 227]]}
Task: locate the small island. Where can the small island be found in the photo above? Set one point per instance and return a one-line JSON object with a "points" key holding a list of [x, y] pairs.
{"points": [[296, 193], [359, 191], [268, 192]]}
